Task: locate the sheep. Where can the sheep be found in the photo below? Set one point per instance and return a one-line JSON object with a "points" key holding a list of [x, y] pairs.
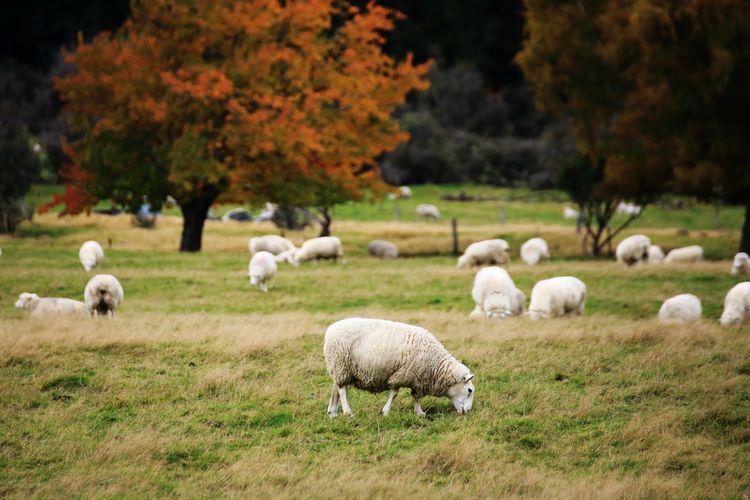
{"points": [[557, 297], [495, 295], [91, 254], [633, 249], [326, 247], [630, 209], [534, 250], [737, 305], [685, 255], [262, 269], [103, 294], [382, 249], [655, 254], [485, 252], [377, 355], [402, 193], [570, 213], [37, 306], [428, 211], [684, 308], [741, 264], [270, 243]]}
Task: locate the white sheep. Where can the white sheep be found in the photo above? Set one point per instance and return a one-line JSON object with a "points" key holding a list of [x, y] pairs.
{"points": [[325, 247], [270, 243], [428, 211], [495, 295], [570, 213], [557, 297], [737, 305], [741, 264], [382, 249], [485, 252], [91, 254], [655, 254], [103, 295], [404, 192], [377, 355], [534, 250], [37, 306], [685, 255], [262, 269], [684, 308], [625, 208], [633, 249]]}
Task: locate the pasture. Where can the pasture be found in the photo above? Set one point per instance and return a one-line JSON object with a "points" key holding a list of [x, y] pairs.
{"points": [[203, 386]]}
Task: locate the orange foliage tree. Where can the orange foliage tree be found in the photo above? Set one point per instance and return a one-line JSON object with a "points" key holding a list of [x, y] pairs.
{"points": [[257, 99]]}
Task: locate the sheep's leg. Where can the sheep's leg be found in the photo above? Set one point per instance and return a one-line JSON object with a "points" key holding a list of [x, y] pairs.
{"points": [[391, 397], [344, 403], [418, 408], [477, 312], [333, 403], [264, 286]]}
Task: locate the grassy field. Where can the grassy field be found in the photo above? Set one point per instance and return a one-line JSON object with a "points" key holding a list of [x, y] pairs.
{"points": [[203, 386]]}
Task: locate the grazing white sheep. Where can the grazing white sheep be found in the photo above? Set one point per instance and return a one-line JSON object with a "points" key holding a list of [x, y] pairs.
{"points": [[685, 255], [376, 355], [534, 250], [404, 192], [625, 208], [737, 305], [557, 297], [495, 295], [485, 252], [91, 254], [655, 254], [326, 247], [382, 249], [633, 249], [103, 295], [262, 269], [270, 243], [428, 211], [741, 264], [37, 306], [684, 308], [570, 213]]}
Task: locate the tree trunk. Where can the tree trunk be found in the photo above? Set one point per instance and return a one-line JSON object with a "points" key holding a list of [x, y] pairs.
{"points": [[325, 223], [745, 241], [194, 214]]}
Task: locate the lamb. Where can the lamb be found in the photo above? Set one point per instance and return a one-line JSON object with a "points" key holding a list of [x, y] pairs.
{"points": [[270, 243], [382, 249], [428, 211], [103, 295], [570, 213], [485, 252], [262, 269], [37, 306], [326, 247], [655, 254], [557, 297], [685, 255], [741, 264], [377, 355], [534, 250], [495, 295], [91, 254], [684, 308], [633, 249], [737, 305]]}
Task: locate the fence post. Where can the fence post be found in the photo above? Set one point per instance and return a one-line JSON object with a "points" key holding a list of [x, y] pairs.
{"points": [[501, 215], [396, 212], [454, 227]]}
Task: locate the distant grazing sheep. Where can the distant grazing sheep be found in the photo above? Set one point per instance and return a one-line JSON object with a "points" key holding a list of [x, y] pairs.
{"points": [[495, 295], [684, 308], [404, 192], [534, 250], [427, 211], [625, 208], [741, 264], [91, 254], [382, 249], [37, 306], [270, 243], [633, 249], [377, 355], [655, 254], [570, 213], [485, 252], [557, 297], [685, 255], [262, 269], [737, 305], [103, 295], [326, 247]]}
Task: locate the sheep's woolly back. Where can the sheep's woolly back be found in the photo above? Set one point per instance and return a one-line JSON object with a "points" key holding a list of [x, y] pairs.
{"points": [[737, 305], [270, 243], [91, 254], [534, 250], [376, 355], [683, 308], [382, 249], [43, 306], [655, 254], [633, 249], [741, 264], [326, 247], [427, 210], [685, 255], [103, 294], [495, 251], [494, 293], [557, 297]]}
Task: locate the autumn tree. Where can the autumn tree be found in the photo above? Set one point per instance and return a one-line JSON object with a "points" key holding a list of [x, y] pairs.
{"points": [[261, 99]]}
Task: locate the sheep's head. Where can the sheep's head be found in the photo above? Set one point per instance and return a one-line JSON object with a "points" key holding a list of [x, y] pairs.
{"points": [[25, 299], [741, 263], [462, 261], [497, 305], [462, 394], [88, 265]]}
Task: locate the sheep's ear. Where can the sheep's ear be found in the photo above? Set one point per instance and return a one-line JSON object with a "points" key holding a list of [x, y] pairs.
{"points": [[468, 377]]}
